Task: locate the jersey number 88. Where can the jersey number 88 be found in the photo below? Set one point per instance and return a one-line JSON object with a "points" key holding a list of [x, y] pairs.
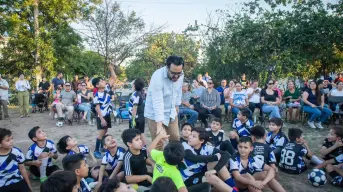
{"points": [[287, 157]]}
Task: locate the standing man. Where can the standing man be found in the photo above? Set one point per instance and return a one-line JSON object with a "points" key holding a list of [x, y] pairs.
{"points": [[163, 98], [3, 97], [57, 82], [45, 85], [22, 86], [221, 91]]}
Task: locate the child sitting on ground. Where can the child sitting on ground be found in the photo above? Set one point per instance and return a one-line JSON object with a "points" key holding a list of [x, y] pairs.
{"points": [[12, 170], [114, 185], [335, 171], [293, 153], [40, 153], [114, 157], [241, 126], [186, 132], [333, 145], [64, 181], [136, 159], [261, 149], [68, 145], [77, 164], [250, 172], [217, 137], [276, 139]]}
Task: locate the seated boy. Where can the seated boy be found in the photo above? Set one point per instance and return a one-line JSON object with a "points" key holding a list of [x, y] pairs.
{"points": [[250, 172], [333, 145], [65, 181], [241, 126], [186, 132], [136, 159], [114, 157], [12, 170], [261, 149], [335, 171], [76, 163], [114, 185], [292, 155], [39, 154], [164, 184], [276, 139]]}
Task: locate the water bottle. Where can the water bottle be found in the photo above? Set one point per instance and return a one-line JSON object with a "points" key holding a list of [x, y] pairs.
{"points": [[78, 98], [337, 108]]}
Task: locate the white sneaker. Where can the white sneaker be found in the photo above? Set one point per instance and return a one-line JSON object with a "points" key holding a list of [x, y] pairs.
{"points": [[311, 124], [319, 125]]}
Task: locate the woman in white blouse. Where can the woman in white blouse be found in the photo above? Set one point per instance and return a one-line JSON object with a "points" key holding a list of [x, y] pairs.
{"points": [[23, 87]]}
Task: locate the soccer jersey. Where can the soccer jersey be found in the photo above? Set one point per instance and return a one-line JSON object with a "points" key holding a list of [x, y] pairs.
{"points": [[243, 129], [264, 153], [113, 160], [163, 169], [215, 138], [9, 167], [82, 148], [136, 99], [84, 186], [279, 140], [254, 165], [336, 152], [34, 151], [339, 159], [104, 100], [135, 164], [291, 159]]}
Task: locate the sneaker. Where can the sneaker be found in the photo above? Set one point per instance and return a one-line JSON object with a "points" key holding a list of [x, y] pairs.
{"points": [[311, 124], [97, 154], [43, 179], [90, 123], [319, 125]]}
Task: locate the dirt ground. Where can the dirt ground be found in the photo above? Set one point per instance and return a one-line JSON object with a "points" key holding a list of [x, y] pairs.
{"points": [[86, 135]]}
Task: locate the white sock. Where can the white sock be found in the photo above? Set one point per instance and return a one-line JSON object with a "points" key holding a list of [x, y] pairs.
{"points": [[316, 160], [42, 168]]}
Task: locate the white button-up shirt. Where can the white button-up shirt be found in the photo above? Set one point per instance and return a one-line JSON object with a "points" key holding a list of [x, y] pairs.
{"points": [[22, 85], [162, 97], [4, 92]]}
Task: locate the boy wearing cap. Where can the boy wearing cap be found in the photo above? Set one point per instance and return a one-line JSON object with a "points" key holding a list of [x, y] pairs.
{"points": [[3, 97]]}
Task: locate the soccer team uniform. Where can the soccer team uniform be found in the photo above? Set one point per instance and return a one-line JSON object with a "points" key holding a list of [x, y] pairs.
{"points": [[84, 187], [113, 160], [337, 179], [34, 152], [136, 165], [254, 165], [215, 139], [243, 129], [137, 99], [291, 159], [278, 140], [104, 100], [336, 152], [10, 176], [264, 153], [82, 148]]}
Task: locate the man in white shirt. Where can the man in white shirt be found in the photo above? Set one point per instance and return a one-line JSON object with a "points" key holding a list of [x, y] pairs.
{"points": [[163, 98], [3, 97], [22, 86], [253, 93]]}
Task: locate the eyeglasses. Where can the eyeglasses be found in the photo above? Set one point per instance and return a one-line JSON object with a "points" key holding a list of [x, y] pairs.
{"points": [[67, 85], [179, 74]]}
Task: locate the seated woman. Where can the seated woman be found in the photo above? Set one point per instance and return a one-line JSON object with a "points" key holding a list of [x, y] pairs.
{"points": [[292, 98], [314, 104], [227, 94], [270, 100], [197, 89], [209, 103], [338, 92], [239, 100], [85, 105]]}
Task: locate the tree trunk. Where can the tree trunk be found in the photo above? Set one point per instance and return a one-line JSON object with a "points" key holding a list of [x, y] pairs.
{"points": [[38, 66]]}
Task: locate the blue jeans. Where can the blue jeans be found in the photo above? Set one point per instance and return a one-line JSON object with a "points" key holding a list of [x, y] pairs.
{"points": [[193, 115], [85, 107], [321, 113], [272, 109]]}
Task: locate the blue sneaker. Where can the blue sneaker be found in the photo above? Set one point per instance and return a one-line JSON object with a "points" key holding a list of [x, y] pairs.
{"points": [[97, 154]]}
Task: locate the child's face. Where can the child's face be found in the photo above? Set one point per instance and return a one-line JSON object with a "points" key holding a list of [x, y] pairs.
{"points": [[215, 126], [193, 139], [244, 149], [186, 131], [332, 137], [83, 170], [40, 135], [301, 140], [110, 142], [240, 116], [71, 142], [7, 142], [273, 127], [136, 143], [124, 188]]}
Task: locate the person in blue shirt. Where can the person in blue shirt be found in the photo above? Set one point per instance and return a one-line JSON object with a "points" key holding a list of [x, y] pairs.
{"points": [[221, 89]]}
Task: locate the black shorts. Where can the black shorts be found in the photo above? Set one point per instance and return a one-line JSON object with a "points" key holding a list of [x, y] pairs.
{"points": [[298, 171], [140, 124], [49, 170], [21, 186], [195, 179], [108, 121]]}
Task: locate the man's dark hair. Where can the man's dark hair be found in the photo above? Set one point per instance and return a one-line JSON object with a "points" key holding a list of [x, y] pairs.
{"points": [[129, 134], [186, 124], [276, 121], [245, 139], [110, 185], [164, 184], [294, 133], [245, 112], [32, 132], [218, 120], [72, 162], [258, 132], [3, 133], [59, 73], [59, 181], [176, 60], [139, 84], [203, 135], [62, 145], [104, 137], [174, 153]]}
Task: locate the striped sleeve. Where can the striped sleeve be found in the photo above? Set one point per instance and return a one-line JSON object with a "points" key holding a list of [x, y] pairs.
{"points": [[127, 164]]}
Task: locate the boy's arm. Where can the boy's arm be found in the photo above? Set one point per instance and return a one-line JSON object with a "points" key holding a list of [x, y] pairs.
{"points": [[338, 169], [25, 175], [113, 75], [131, 179], [182, 189], [331, 161], [189, 155], [116, 170], [92, 156], [101, 173], [150, 162], [224, 159], [270, 174], [241, 179], [156, 141]]}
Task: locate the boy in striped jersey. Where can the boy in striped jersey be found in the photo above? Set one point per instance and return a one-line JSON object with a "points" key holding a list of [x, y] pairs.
{"points": [[13, 175], [241, 126]]}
